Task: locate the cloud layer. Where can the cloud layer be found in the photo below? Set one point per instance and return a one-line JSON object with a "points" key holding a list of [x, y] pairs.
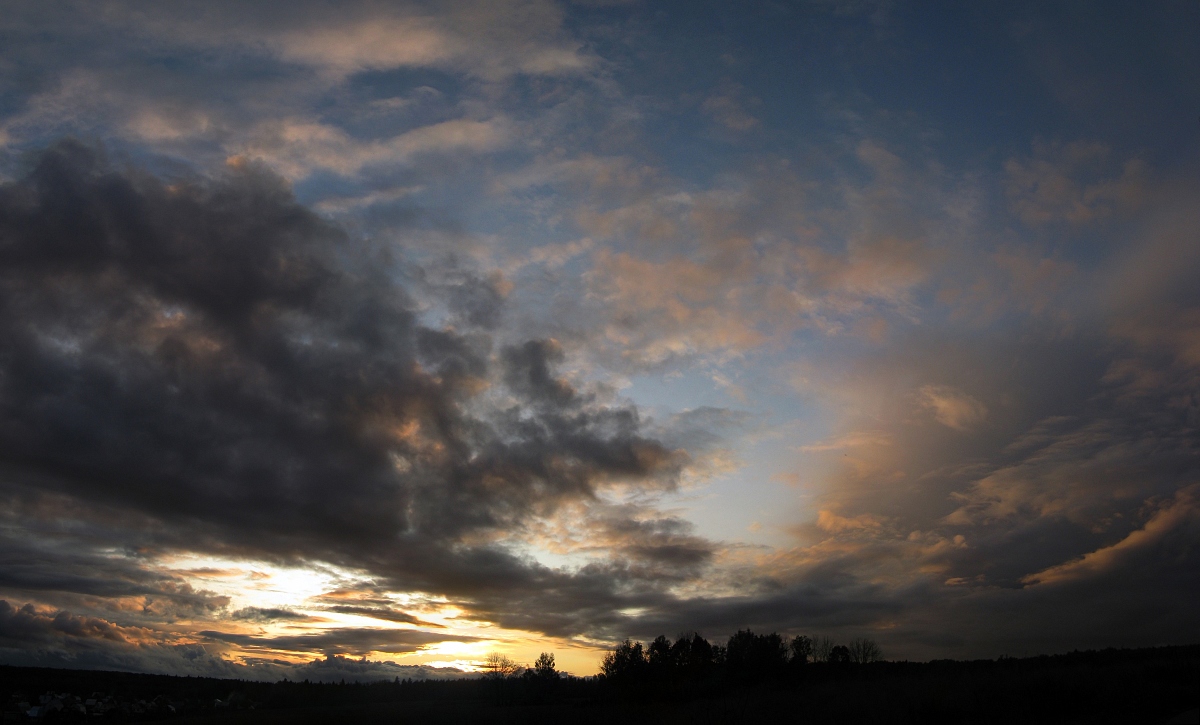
{"points": [[412, 331], [215, 361]]}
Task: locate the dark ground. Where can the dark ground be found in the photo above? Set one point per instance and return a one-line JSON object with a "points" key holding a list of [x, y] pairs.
{"points": [[1110, 686]]}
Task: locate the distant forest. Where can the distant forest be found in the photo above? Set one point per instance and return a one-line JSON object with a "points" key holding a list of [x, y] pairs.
{"points": [[750, 678]]}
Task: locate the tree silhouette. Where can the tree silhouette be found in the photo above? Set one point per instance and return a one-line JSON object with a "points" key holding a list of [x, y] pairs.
{"points": [[543, 668], [626, 662], [625, 669], [822, 646], [540, 682], [693, 656], [754, 657], [659, 653], [801, 650], [692, 667], [498, 666], [864, 651]]}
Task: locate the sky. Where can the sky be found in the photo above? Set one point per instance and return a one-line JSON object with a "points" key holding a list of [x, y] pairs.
{"points": [[364, 339]]}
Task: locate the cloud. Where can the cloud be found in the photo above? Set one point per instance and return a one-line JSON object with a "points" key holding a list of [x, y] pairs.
{"points": [[951, 407], [260, 614], [37, 560], [489, 40], [669, 310], [359, 641], [423, 413], [379, 43], [851, 440], [29, 624], [679, 274], [298, 148], [832, 523], [273, 65], [44, 637], [1177, 513], [1067, 182], [335, 668], [655, 546], [34, 636], [213, 357], [376, 44], [728, 109], [381, 613]]}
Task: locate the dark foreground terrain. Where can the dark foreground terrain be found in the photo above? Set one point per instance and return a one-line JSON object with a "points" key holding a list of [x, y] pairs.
{"points": [[1110, 686]]}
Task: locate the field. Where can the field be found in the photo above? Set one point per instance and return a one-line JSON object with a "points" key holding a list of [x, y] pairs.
{"points": [[1110, 686]]}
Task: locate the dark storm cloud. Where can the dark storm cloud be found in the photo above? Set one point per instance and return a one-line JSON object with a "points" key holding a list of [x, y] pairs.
{"points": [[334, 668], [802, 610], [588, 600], [358, 641], [29, 624], [382, 613], [35, 636], [479, 301], [529, 372], [664, 546], [66, 572], [261, 614], [629, 597], [58, 638], [213, 357]]}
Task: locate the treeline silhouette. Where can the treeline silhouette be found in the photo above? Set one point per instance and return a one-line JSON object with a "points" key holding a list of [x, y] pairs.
{"points": [[692, 664]]}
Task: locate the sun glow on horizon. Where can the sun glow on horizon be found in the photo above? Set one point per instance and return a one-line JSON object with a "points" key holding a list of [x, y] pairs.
{"points": [[270, 601]]}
